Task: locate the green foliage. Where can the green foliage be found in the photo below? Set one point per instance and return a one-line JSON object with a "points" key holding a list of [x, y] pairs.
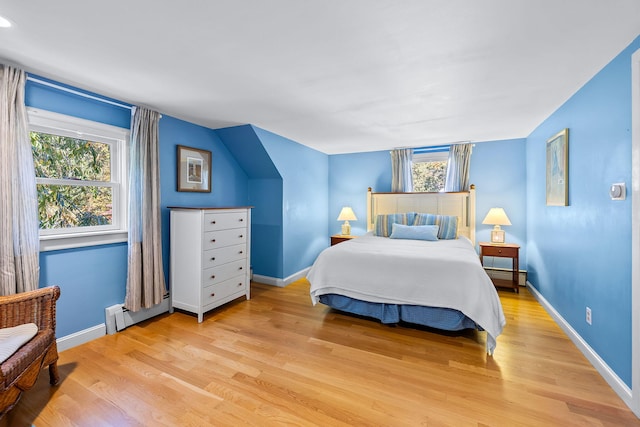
{"points": [[72, 204], [429, 176], [70, 158]]}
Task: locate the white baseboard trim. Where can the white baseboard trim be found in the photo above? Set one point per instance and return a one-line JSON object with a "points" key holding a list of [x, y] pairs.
{"points": [[601, 366], [267, 280], [281, 283], [126, 319], [81, 337]]}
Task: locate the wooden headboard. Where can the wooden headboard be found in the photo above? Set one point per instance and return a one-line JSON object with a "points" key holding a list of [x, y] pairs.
{"points": [[461, 204]]}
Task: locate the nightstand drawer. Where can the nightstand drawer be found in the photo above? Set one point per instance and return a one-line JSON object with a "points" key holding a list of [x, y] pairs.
{"points": [[500, 251]]}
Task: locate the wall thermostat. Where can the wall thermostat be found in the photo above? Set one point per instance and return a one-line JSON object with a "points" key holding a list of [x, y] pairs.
{"points": [[618, 191]]}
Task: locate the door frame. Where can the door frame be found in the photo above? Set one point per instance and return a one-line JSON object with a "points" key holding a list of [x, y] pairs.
{"points": [[635, 230]]}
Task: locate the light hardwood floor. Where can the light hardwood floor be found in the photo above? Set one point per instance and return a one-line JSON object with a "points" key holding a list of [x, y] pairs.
{"points": [[278, 360]]}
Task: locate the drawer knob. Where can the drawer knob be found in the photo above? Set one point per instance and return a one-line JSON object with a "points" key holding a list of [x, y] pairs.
{"points": [[239, 284], [240, 268], [241, 236], [213, 222], [213, 258], [213, 276], [240, 252], [213, 240], [241, 219], [213, 294]]}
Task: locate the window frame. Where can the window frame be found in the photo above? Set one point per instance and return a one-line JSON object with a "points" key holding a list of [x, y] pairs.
{"points": [[60, 124]]}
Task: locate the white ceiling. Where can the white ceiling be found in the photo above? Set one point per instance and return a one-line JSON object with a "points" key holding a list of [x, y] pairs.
{"points": [[339, 75]]}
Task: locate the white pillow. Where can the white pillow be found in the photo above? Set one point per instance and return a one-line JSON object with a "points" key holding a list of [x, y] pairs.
{"points": [[11, 339]]}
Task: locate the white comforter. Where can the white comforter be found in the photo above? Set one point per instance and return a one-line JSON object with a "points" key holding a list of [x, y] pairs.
{"points": [[444, 273]]}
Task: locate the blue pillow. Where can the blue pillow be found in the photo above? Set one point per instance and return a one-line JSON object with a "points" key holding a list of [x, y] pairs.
{"points": [[448, 224], [383, 223], [415, 232]]}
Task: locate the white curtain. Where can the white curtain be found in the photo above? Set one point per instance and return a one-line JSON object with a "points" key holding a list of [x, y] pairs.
{"points": [[19, 224], [457, 178], [401, 173], [145, 276]]}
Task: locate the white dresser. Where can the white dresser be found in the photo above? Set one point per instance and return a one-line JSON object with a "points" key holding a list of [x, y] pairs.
{"points": [[210, 257]]}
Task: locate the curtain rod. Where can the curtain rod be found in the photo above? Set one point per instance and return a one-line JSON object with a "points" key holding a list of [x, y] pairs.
{"points": [[75, 92]]}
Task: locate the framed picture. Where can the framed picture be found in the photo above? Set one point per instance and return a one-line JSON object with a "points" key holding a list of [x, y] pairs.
{"points": [[558, 169], [194, 169]]}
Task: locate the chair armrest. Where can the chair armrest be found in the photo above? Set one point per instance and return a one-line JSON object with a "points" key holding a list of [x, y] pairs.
{"points": [[38, 306]]}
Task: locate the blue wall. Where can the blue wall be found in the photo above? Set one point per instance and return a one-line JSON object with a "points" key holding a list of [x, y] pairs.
{"points": [[267, 249], [305, 177], [94, 278], [265, 195], [90, 280], [229, 183], [51, 99], [349, 177], [498, 170], [288, 189], [580, 255]]}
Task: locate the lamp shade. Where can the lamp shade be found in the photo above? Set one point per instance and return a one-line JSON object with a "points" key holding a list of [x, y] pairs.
{"points": [[346, 214], [496, 216]]}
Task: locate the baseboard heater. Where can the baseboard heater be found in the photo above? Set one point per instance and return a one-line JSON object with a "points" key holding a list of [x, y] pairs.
{"points": [[119, 318]]}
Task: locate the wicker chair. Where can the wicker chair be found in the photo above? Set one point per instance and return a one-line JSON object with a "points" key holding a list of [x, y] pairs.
{"points": [[20, 371]]}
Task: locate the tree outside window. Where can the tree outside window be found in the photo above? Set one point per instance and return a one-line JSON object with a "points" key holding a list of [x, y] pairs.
{"points": [[430, 168], [72, 176]]}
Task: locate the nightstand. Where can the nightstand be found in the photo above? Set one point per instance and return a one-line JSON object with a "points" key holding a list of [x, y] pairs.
{"points": [[505, 250], [339, 238]]}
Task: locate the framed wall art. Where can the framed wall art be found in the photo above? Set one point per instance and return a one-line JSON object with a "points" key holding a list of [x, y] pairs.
{"points": [[558, 169], [194, 169]]}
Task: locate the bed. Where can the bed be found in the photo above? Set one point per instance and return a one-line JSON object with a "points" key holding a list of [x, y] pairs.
{"points": [[435, 283]]}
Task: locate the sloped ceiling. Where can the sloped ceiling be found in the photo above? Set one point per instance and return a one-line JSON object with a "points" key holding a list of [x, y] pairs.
{"points": [[247, 148], [339, 75]]}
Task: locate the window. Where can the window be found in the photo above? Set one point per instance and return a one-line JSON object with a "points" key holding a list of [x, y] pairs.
{"points": [[81, 179], [430, 168]]}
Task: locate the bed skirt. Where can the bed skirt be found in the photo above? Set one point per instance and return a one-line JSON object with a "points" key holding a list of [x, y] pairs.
{"points": [[434, 317]]}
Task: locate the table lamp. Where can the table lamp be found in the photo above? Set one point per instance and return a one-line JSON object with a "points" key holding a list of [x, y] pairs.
{"points": [[346, 215], [497, 217]]}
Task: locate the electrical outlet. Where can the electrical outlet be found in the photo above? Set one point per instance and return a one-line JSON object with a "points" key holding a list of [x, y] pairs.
{"points": [[588, 315]]}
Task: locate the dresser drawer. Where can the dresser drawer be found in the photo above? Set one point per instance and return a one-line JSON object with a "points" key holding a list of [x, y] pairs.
{"points": [[219, 291], [222, 238], [223, 272], [215, 257], [221, 221]]}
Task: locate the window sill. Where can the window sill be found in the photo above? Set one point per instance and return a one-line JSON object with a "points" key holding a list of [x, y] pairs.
{"points": [[56, 243]]}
